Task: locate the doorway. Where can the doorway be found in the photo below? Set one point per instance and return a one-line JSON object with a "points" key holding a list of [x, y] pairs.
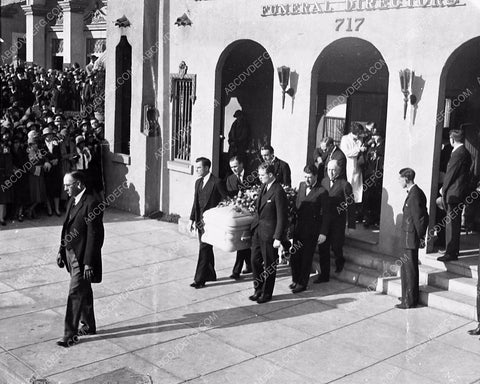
{"points": [[459, 108], [350, 86], [244, 82]]}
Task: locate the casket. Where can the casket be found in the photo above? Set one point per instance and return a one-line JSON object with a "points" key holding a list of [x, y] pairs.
{"points": [[227, 229]]}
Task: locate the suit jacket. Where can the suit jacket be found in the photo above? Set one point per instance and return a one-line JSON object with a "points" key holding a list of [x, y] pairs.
{"points": [[271, 213], [340, 202], [337, 154], [282, 172], [83, 232], [457, 177], [215, 192], [415, 218], [234, 185], [310, 210]]}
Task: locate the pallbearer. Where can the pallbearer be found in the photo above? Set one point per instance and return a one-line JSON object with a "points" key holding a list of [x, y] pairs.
{"points": [[311, 204], [268, 230], [235, 183]]}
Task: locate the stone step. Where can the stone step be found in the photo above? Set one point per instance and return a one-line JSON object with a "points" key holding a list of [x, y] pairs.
{"points": [[446, 301], [465, 265], [453, 282]]}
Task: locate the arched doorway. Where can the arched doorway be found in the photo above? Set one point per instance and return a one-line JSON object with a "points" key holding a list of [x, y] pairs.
{"points": [[459, 108], [350, 85], [244, 81]]}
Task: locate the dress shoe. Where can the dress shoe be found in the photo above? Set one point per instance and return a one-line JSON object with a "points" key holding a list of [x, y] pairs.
{"points": [[299, 288], [404, 306], [3, 222], [86, 330], [197, 285], [235, 276], [58, 213], [264, 299], [246, 270], [320, 280], [447, 257], [442, 251], [292, 286], [255, 296], [67, 341], [474, 332]]}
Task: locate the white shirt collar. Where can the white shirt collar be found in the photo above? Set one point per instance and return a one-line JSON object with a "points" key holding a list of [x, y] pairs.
{"points": [[206, 178], [270, 184], [79, 196], [458, 146]]}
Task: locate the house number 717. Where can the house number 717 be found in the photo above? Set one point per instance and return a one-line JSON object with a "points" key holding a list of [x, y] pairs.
{"points": [[358, 23]]}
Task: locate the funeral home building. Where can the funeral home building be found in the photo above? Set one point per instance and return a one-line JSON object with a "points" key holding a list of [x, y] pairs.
{"points": [[178, 70]]}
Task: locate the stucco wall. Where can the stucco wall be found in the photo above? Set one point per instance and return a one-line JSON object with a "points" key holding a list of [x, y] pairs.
{"points": [[406, 38]]}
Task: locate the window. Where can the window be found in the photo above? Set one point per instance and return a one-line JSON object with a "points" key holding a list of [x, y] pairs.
{"points": [[182, 96]]}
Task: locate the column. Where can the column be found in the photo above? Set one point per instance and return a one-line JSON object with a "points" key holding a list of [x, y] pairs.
{"points": [[35, 33], [73, 37]]}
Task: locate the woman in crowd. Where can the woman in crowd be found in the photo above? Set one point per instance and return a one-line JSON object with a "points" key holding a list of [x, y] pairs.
{"points": [[52, 170], [38, 192], [21, 187], [6, 169]]}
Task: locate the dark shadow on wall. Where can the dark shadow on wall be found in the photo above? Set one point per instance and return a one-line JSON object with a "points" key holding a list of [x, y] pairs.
{"points": [[389, 223], [119, 193]]}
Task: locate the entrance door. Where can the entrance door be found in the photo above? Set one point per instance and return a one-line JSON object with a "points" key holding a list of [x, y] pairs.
{"points": [[350, 85], [242, 86]]}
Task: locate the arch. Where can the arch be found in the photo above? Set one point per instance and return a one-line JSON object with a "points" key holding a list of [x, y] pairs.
{"points": [[243, 80], [333, 56], [350, 77], [458, 107]]}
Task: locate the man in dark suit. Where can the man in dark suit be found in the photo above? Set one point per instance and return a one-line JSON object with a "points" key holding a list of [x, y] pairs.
{"points": [[281, 170], [414, 228], [340, 206], [209, 191], [311, 204], [268, 230], [236, 182], [476, 331], [80, 251], [329, 151], [454, 191]]}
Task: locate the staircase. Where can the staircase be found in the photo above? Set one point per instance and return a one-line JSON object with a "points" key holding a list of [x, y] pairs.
{"points": [[450, 287]]}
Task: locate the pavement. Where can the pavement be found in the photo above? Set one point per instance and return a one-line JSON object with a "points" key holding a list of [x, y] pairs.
{"points": [[154, 328]]}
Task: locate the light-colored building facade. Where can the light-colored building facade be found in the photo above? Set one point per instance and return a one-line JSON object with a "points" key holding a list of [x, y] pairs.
{"points": [[344, 59], [51, 33]]}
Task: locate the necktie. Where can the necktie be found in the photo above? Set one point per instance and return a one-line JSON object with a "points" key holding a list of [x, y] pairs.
{"points": [[331, 182], [202, 182], [307, 191]]}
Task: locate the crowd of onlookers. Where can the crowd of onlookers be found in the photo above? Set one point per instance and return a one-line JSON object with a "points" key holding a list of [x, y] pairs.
{"points": [[47, 128]]}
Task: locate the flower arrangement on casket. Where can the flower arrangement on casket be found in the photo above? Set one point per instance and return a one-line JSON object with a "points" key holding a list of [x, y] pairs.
{"points": [[228, 225]]}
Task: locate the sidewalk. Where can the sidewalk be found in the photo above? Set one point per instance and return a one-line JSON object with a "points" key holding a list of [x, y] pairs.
{"points": [[154, 328]]}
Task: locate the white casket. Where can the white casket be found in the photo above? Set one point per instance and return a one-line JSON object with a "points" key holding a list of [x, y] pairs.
{"points": [[227, 229]]}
